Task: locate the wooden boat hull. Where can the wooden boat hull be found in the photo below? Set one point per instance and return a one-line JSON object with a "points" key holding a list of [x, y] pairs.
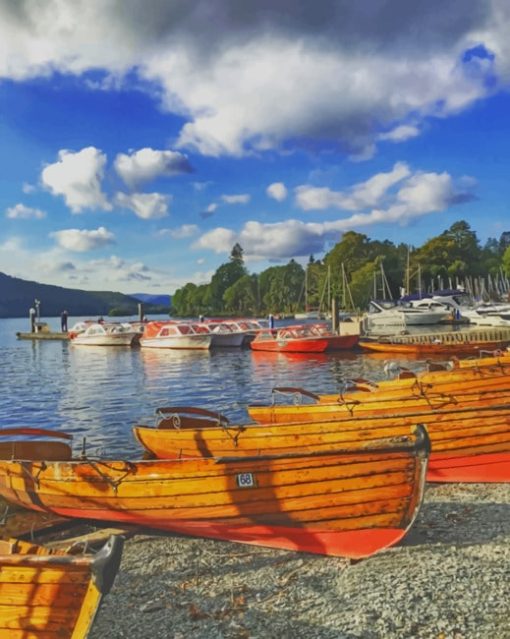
{"points": [[346, 407], [47, 595], [484, 468], [425, 348], [456, 381], [464, 441], [345, 503]]}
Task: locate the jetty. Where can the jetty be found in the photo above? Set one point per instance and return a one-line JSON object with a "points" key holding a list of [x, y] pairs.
{"points": [[42, 332]]}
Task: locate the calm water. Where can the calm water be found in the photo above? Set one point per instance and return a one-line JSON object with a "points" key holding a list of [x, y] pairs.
{"points": [[101, 392]]}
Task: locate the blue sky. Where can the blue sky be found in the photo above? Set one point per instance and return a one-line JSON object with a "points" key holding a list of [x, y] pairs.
{"points": [[140, 140]]}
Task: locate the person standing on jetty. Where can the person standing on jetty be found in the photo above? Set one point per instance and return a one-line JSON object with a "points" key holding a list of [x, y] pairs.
{"points": [[31, 314], [63, 321]]}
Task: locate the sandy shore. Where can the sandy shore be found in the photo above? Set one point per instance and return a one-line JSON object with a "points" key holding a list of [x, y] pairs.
{"points": [[449, 579]]}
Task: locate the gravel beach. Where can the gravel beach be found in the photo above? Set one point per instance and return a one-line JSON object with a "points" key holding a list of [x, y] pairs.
{"points": [[449, 579]]}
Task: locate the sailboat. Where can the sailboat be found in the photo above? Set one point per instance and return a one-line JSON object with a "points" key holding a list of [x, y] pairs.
{"points": [[308, 313]]}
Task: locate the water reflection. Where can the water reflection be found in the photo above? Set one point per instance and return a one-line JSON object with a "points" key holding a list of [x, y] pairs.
{"points": [[101, 392]]}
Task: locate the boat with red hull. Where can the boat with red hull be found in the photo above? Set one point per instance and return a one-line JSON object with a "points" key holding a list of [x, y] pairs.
{"points": [[470, 444], [289, 339], [345, 502]]}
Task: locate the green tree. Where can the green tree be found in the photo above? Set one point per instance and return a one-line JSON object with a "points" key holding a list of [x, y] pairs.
{"points": [[225, 276], [242, 296]]}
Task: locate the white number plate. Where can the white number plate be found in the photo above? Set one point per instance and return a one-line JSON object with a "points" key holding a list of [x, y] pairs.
{"points": [[245, 480]]}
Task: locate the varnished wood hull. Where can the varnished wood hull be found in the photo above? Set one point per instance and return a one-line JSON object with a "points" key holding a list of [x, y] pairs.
{"points": [[468, 444], [346, 503], [427, 348], [52, 596], [378, 406], [458, 380]]}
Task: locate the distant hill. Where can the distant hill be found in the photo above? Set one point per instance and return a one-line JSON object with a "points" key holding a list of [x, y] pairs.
{"points": [[17, 296], [158, 300]]}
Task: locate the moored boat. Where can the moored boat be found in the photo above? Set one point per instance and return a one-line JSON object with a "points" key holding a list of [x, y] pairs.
{"points": [[289, 339], [335, 342], [176, 335], [53, 594], [225, 334], [344, 502], [105, 334], [469, 444]]}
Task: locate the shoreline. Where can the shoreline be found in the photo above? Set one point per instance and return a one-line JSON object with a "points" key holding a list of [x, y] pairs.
{"points": [[448, 579]]}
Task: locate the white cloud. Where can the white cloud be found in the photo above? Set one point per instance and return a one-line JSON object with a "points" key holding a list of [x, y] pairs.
{"points": [[278, 191], [242, 198], [148, 164], [80, 240], [148, 206], [22, 212], [181, 232], [400, 133], [265, 76], [419, 194], [219, 240], [28, 188], [77, 177], [360, 196]]}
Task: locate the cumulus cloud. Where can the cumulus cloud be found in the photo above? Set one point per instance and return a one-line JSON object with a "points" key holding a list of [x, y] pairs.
{"points": [[278, 191], [181, 232], [400, 133], [22, 212], [360, 196], [242, 198], [418, 194], [80, 240], [148, 164], [266, 76], [148, 206], [77, 177]]}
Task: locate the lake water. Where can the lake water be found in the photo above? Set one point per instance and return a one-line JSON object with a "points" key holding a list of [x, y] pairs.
{"points": [[101, 392]]}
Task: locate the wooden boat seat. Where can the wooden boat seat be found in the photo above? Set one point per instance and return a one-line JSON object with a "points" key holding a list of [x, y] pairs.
{"points": [[32, 448], [188, 417]]}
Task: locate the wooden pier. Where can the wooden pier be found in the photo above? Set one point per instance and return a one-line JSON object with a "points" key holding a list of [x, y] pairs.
{"points": [[43, 335], [481, 334]]}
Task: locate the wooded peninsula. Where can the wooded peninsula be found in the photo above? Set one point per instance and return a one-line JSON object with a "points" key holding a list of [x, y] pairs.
{"points": [[354, 271]]}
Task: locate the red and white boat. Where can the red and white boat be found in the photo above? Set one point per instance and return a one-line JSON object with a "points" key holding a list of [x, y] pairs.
{"points": [[289, 339], [335, 342], [177, 335]]}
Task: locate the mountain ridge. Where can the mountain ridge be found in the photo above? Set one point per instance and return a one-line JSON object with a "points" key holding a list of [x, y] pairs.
{"points": [[18, 295]]}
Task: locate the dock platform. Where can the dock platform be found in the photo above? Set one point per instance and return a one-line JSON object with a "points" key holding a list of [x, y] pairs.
{"points": [[43, 335]]}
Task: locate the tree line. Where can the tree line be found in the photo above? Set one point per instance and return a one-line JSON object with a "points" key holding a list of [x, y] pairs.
{"points": [[354, 271]]}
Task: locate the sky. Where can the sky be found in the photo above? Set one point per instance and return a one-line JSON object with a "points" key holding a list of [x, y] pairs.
{"points": [[141, 139]]}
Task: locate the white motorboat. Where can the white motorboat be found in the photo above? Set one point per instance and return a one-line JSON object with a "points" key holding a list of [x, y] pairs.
{"points": [[176, 335], [225, 334], [105, 334], [380, 316]]}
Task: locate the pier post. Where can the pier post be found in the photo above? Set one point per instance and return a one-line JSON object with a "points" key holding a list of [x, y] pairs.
{"points": [[140, 312], [334, 315]]}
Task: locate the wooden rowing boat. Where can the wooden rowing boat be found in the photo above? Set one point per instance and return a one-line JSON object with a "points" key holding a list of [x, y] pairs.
{"points": [[52, 595], [444, 344], [364, 405], [343, 502], [457, 380], [468, 444]]}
